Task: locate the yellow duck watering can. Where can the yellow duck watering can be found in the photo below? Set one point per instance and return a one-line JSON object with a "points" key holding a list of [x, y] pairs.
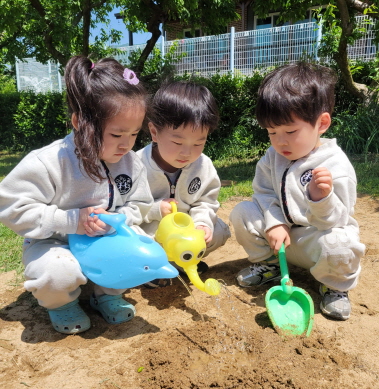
{"points": [[185, 245]]}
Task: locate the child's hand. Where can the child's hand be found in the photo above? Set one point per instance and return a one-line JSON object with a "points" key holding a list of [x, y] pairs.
{"points": [[97, 226], [278, 235], [83, 218], [91, 226], [208, 233], [321, 184], [166, 208]]}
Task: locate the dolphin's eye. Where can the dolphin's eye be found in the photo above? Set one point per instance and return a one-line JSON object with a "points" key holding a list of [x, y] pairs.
{"points": [[146, 268], [201, 253], [186, 256]]}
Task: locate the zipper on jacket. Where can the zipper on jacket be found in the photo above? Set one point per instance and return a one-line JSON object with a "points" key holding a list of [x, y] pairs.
{"points": [[283, 194], [173, 185], [110, 186]]}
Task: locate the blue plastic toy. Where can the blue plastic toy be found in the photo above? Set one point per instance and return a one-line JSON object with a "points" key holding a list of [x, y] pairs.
{"points": [[120, 260]]}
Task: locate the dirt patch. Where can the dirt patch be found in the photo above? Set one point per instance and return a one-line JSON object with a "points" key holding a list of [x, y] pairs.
{"points": [[176, 341]]}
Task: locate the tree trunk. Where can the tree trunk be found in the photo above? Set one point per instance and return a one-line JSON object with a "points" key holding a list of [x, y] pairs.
{"points": [[357, 90], [153, 27], [87, 7]]}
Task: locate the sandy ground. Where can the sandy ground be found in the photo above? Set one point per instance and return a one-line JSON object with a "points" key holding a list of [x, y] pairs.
{"points": [[182, 341]]}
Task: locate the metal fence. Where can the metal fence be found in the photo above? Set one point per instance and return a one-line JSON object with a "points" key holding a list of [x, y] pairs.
{"points": [[242, 52], [32, 75]]}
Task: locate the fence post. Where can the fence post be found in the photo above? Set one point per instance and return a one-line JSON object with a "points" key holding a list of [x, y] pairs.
{"points": [[231, 53], [17, 76], [50, 75], [59, 77], [318, 38], [162, 42]]}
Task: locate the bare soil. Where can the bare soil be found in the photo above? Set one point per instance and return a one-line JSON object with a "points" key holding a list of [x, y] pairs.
{"points": [[182, 341]]}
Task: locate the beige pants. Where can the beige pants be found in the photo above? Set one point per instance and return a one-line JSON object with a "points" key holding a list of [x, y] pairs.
{"points": [[332, 256], [53, 275]]}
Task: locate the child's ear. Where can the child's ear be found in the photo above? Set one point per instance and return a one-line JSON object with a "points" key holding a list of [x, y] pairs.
{"points": [[74, 121], [324, 122], [153, 131]]}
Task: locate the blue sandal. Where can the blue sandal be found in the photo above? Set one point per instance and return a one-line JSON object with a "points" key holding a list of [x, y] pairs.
{"points": [[113, 308], [69, 318]]}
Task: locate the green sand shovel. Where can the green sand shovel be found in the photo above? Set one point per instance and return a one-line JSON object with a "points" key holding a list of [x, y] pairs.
{"points": [[289, 308]]}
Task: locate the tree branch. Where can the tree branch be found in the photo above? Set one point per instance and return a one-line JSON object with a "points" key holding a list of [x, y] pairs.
{"points": [[47, 36], [341, 57], [361, 6]]}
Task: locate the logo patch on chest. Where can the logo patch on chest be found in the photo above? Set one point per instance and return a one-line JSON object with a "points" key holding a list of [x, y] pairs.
{"points": [[306, 177], [194, 185], [124, 183]]}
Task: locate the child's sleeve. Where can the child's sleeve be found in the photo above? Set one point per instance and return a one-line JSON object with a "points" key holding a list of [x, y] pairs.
{"points": [[334, 210], [140, 200], [203, 210], [154, 212], [265, 196], [26, 194]]}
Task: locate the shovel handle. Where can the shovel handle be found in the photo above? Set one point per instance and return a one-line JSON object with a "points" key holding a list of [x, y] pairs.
{"points": [[286, 282], [283, 261]]}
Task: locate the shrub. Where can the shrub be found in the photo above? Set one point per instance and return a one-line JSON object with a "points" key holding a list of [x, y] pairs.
{"points": [[39, 120], [8, 106]]}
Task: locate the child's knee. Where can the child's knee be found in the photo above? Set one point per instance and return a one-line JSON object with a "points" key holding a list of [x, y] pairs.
{"points": [[57, 269], [221, 234], [342, 251], [238, 213]]}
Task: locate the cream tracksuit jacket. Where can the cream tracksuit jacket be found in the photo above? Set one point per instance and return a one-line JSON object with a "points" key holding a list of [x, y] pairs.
{"points": [[41, 197], [324, 234], [40, 200], [196, 190]]}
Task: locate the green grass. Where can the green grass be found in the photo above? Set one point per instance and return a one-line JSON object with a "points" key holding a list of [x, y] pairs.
{"points": [[10, 253], [367, 171], [10, 243], [239, 172], [8, 161]]}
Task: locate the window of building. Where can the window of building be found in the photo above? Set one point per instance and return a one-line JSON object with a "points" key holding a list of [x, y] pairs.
{"points": [[188, 33], [255, 23]]}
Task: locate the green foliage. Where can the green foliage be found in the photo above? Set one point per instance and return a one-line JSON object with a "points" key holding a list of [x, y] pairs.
{"points": [[357, 133], [57, 30], [54, 30], [7, 84], [367, 171], [158, 68], [32, 120], [211, 15], [8, 106], [238, 133]]}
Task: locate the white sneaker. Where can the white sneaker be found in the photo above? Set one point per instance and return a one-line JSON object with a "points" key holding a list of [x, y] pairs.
{"points": [[335, 304], [258, 274]]}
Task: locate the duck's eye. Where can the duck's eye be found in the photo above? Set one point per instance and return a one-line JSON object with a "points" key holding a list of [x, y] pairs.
{"points": [[146, 268], [202, 252], [186, 256]]}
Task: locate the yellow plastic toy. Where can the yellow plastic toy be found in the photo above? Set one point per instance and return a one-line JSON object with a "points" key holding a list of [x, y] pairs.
{"points": [[185, 245]]}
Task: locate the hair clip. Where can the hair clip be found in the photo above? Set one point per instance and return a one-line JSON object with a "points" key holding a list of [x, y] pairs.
{"points": [[130, 77], [92, 66]]}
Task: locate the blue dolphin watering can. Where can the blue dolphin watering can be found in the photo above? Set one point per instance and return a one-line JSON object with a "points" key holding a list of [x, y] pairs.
{"points": [[120, 260]]}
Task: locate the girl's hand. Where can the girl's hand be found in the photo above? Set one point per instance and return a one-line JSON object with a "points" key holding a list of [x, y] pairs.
{"points": [[278, 235], [208, 233], [83, 218], [92, 226], [166, 208], [321, 184]]}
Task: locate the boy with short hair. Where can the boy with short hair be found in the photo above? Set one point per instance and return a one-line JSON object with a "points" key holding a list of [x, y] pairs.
{"points": [[304, 190], [182, 115]]}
